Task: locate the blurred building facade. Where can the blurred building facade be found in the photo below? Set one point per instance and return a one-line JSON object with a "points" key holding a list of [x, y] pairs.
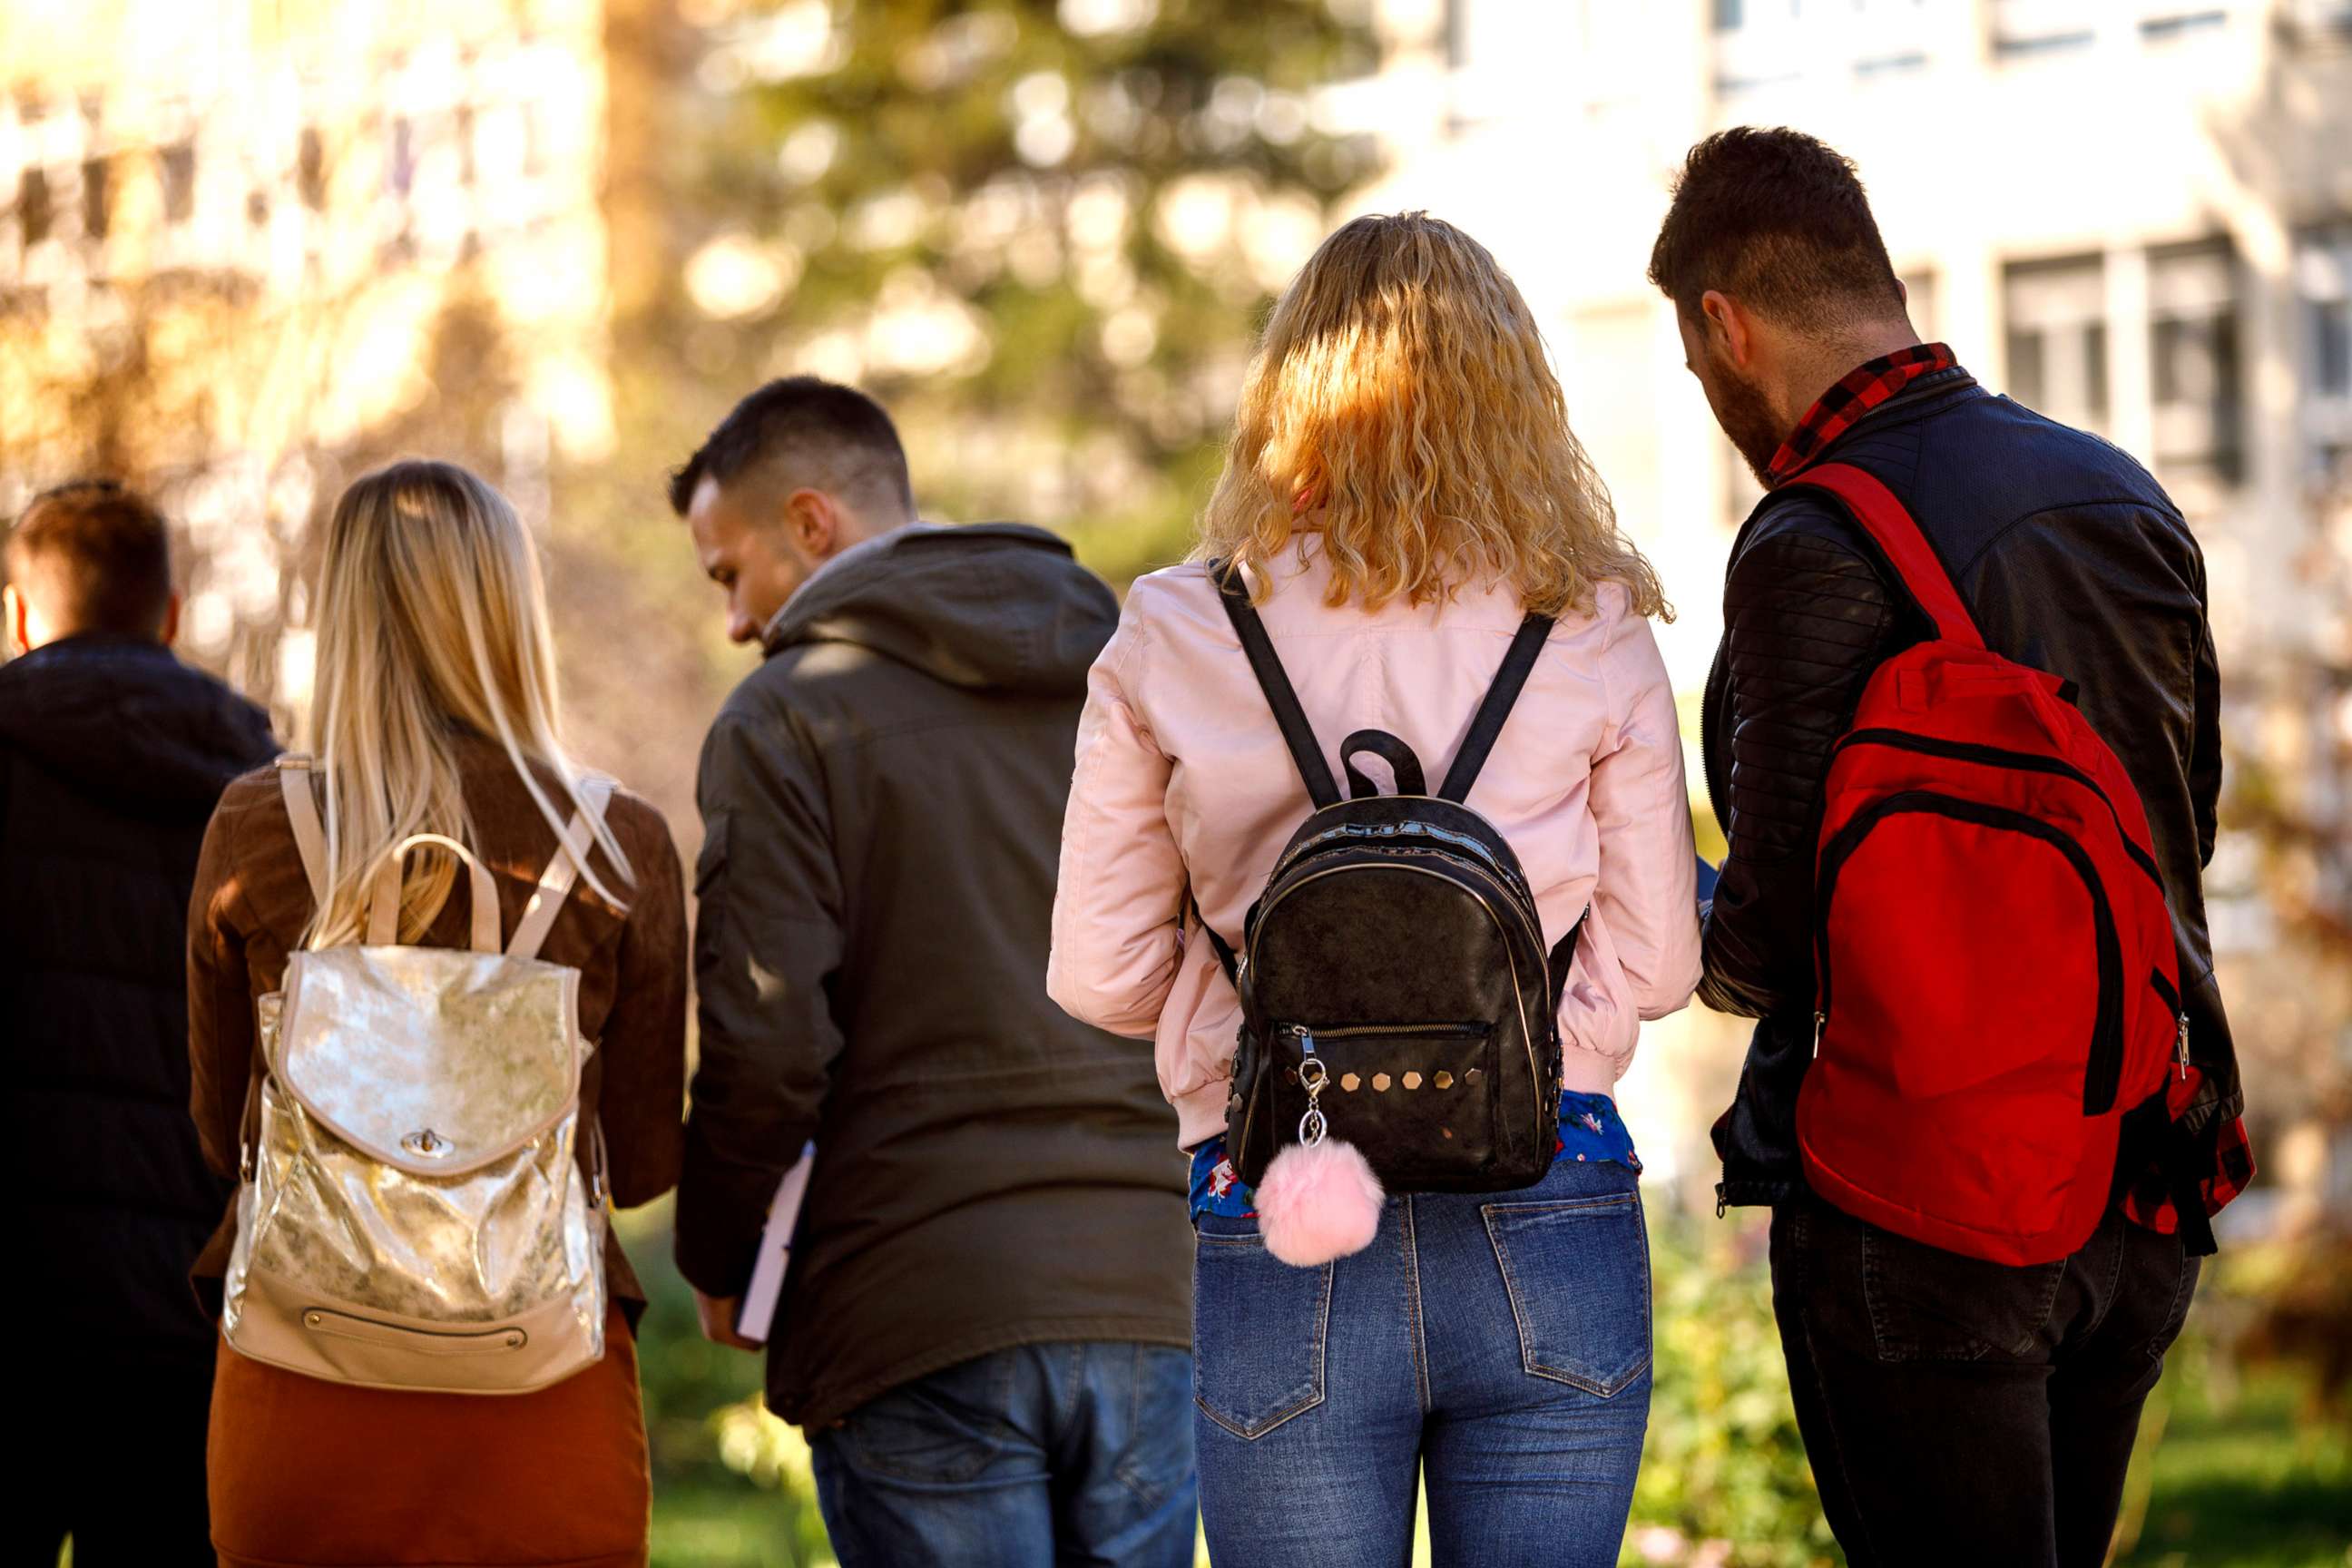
{"points": [[2135, 215], [235, 236]]}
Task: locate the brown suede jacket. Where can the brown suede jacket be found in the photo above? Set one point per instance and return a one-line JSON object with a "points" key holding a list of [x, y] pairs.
{"points": [[251, 903]]}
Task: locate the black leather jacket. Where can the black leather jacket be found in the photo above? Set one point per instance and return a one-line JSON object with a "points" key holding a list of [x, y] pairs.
{"points": [[2073, 560]]}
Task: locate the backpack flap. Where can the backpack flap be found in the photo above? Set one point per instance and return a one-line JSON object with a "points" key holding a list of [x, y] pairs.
{"points": [[435, 1061]]}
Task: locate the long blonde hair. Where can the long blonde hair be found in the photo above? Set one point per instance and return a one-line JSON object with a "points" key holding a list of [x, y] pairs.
{"points": [[1399, 389], [432, 621]]}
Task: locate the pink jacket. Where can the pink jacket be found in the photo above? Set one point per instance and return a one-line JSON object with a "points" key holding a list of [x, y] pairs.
{"points": [[1182, 781]]}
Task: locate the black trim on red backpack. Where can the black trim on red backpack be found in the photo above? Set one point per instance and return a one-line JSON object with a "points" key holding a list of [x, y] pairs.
{"points": [[1397, 943], [1998, 986]]}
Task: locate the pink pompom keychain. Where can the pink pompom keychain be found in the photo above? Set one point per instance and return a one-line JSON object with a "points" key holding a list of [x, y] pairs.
{"points": [[1319, 1200]]}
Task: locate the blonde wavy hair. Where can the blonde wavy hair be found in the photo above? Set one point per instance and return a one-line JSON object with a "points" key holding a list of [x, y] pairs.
{"points": [[432, 622], [1401, 395]]}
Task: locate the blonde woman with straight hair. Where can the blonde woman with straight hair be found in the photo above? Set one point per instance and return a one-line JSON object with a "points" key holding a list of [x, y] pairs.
{"points": [[435, 711], [1401, 493]]}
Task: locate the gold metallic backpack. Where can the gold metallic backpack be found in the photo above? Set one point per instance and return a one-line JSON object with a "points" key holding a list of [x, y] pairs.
{"points": [[414, 1213]]}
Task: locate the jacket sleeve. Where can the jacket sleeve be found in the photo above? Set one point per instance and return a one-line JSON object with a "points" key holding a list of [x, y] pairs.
{"points": [[768, 941], [644, 1044], [1646, 900], [220, 998], [1805, 619], [1119, 900]]}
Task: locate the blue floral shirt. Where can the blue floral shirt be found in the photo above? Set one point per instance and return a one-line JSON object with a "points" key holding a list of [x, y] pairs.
{"points": [[1590, 1129]]}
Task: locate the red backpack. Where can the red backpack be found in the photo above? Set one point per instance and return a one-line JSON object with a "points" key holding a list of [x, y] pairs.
{"points": [[1997, 983]]}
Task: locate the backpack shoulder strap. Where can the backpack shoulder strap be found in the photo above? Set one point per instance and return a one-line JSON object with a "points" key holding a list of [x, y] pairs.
{"points": [[1519, 663], [572, 852], [1296, 732], [302, 811], [1898, 537]]}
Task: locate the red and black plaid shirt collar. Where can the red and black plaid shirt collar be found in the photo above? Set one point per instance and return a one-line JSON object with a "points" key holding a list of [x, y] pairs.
{"points": [[1862, 391]]}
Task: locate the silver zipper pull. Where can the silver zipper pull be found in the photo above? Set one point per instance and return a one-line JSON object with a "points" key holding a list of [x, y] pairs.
{"points": [[1306, 1040], [2180, 1046], [1821, 1027]]}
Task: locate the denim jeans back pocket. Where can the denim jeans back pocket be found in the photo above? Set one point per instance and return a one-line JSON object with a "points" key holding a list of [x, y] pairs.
{"points": [[943, 1430], [1927, 1304], [1259, 1329], [1578, 1273]]}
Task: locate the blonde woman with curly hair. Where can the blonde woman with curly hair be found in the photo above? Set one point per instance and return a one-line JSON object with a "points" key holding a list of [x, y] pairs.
{"points": [[1403, 494], [435, 711]]}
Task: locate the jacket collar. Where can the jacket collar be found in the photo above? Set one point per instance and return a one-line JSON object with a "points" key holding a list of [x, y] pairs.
{"points": [[1820, 434]]}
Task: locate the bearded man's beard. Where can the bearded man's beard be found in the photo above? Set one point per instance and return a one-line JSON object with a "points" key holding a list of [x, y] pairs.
{"points": [[1748, 421]]}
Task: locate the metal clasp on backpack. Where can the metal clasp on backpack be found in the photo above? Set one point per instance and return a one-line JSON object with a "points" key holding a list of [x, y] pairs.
{"points": [[1312, 1075]]}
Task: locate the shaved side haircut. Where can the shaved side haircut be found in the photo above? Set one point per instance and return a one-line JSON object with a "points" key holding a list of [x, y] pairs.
{"points": [[93, 556], [1778, 221], [803, 431]]}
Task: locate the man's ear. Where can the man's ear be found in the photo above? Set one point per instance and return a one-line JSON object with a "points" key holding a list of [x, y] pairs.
{"points": [[169, 633], [1729, 326], [813, 521], [20, 636]]}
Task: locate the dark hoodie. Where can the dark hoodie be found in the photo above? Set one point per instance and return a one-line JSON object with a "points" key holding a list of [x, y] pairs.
{"points": [[882, 802], [113, 755]]}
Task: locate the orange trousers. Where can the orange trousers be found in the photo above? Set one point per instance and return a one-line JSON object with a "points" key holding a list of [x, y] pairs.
{"points": [[310, 1474]]}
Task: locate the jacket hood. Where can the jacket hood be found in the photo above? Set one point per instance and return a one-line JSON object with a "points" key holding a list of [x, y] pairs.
{"points": [[992, 606], [128, 721]]}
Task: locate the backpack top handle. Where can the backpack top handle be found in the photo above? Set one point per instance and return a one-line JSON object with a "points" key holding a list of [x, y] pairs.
{"points": [[383, 902], [1897, 535], [1391, 750]]}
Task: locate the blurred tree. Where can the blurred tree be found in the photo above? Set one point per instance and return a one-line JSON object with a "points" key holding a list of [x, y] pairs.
{"points": [[1042, 233]]}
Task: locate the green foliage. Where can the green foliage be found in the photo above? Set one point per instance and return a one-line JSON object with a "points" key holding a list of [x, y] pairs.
{"points": [[2238, 1480], [731, 1484], [1043, 234], [1724, 1479]]}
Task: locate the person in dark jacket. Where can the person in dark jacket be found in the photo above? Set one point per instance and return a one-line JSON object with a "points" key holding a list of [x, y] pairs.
{"points": [[1955, 1410], [113, 755], [987, 1323]]}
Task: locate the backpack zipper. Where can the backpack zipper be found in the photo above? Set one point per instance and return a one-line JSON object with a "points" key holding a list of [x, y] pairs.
{"points": [[2102, 1073], [2171, 995], [1371, 831], [1419, 1031], [2000, 757]]}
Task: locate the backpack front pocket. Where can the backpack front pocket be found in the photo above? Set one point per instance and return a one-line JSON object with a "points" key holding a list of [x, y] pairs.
{"points": [[1419, 1099]]}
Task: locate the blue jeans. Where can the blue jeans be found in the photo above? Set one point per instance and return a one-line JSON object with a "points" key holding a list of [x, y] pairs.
{"points": [[1497, 1341], [1050, 1454]]}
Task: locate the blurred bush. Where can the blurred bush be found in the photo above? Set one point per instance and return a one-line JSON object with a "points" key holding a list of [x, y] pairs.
{"points": [[732, 1483], [1724, 1481]]}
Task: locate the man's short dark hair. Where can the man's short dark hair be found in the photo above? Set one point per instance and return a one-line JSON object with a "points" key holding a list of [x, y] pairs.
{"points": [[805, 431], [94, 556], [1777, 220]]}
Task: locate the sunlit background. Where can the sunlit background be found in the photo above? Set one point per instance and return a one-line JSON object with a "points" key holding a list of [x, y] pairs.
{"points": [[250, 248]]}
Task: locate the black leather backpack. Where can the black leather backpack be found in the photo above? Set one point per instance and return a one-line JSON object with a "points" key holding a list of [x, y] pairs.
{"points": [[1393, 976]]}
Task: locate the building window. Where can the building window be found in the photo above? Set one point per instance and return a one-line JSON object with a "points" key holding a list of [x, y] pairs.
{"points": [[34, 209], [2057, 339], [2025, 27], [310, 169], [2173, 26], [2193, 361], [180, 182], [96, 195], [2323, 280]]}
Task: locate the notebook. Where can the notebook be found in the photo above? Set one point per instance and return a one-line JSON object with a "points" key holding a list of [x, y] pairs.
{"points": [[757, 1313]]}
